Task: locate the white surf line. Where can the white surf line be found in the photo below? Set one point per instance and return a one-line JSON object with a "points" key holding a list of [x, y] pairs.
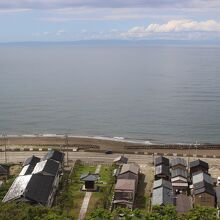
{"points": [[86, 199]]}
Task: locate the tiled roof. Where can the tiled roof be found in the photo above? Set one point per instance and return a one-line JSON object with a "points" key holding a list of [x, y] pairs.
{"points": [[202, 187], [199, 163], [162, 183], [31, 160], [122, 159], [199, 177], [89, 177], [161, 160], [162, 196], [179, 172], [54, 155], [50, 167], [162, 169], [178, 161], [125, 185], [132, 167], [36, 188]]}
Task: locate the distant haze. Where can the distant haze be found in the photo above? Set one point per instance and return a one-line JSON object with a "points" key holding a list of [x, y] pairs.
{"points": [[166, 94]]}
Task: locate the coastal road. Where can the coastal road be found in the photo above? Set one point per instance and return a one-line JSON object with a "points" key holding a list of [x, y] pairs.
{"points": [[16, 157]]}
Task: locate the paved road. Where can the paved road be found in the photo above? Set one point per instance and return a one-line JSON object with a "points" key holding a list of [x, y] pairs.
{"points": [[89, 157]]}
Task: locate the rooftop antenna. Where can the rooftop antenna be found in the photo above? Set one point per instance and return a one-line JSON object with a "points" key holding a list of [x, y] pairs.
{"points": [[67, 149]]}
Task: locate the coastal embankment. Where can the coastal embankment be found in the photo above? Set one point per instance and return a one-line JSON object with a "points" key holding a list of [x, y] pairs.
{"points": [[101, 144]]}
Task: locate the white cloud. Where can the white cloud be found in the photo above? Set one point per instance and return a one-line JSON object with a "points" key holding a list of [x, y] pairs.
{"points": [[173, 26]]}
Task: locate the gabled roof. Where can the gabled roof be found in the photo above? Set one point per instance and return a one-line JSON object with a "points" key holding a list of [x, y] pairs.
{"points": [[89, 177], [199, 163], [121, 158], [50, 167], [162, 169], [179, 172], [162, 183], [35, 188], [26, 170], [3, 170], [203, 187], [54, 155], [125, 185], [178, 161], [162, 196], [161, 160], [132, 167], [31, 160], [199, 177]]}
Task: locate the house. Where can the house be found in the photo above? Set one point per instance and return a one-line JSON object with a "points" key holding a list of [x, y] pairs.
{"points": [[120, 160], [4, 172], [183, 204], [55, 155], [28, 165], [162, 171], [89, 180], [37, 182], [179, 179], [198, 166], [204, 194], [162, 160], [124, 195], [178, 163], [33, 160], [129, 171], [47, 167], [34, 188], [162, 192], [203, 191]]}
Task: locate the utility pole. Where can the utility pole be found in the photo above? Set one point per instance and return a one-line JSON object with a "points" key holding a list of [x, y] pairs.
{"points": [[4, 135], [67, 149]]}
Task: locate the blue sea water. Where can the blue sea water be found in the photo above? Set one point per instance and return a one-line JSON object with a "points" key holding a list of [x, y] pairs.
{"points": [[163, 94]]}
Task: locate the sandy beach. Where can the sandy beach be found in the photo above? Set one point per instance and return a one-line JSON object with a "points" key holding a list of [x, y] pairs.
{"points": [[100, 144]]}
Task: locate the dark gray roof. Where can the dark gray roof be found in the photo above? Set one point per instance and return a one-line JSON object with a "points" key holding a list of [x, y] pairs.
{"points": [[199, 177], [179, 172], [132, 167], [161, 160], [50, 167], [31, 160], [162, 196], [35, 188], [199, 163], [217, 191], [178, 161], [4, 170], [121, 159], [89, 177], [162, 170], [162, 183], [54, 155], [202, 187], [26, 170]]}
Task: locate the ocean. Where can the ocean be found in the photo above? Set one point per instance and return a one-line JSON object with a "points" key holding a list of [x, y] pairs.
{"points": [[161, 94]]}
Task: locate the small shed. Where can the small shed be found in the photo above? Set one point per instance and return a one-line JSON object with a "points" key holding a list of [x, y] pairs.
{"points": [[120, 160], [198, 165], [89, 180], [178, 163], [162, 160], [162, 171]]}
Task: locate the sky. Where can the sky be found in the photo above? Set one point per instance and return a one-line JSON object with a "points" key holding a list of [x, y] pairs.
{"points": [[73, 20]]}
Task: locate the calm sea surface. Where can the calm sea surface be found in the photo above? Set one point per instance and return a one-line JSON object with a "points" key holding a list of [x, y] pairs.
{"points": [[162, 94]]}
